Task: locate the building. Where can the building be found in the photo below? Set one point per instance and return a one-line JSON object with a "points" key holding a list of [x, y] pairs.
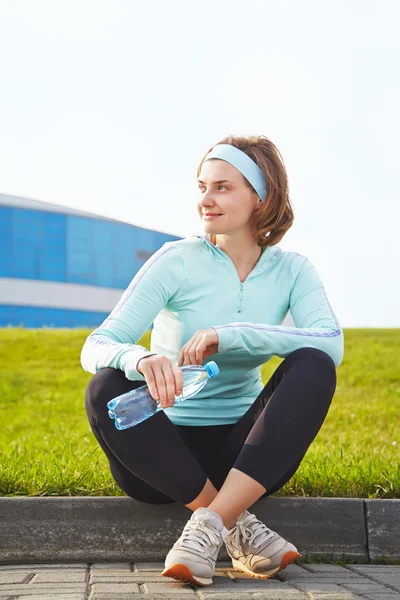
{"points": [[61, 267]]}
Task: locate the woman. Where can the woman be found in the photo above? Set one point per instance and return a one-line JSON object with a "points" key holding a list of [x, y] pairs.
{"points": [[221, 295]]}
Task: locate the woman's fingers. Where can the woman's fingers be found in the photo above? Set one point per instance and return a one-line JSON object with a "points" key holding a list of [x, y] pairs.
{"points": [[190, 353], [179, 381], [169, 379], [159, 383], [152, 384], [203, 343], [166, 384]]}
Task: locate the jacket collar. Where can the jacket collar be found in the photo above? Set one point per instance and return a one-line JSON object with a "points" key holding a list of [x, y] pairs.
{"points": [[268, 255]]}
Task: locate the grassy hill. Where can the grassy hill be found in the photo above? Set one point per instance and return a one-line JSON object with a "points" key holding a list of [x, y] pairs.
{"points": [[47, 446]]}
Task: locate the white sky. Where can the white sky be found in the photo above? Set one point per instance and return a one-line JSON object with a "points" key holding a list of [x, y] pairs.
{"points": [[108, 106]]}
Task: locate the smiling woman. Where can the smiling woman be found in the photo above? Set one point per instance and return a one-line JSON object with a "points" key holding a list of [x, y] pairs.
{"points": [[268, 222], [222, 294]]}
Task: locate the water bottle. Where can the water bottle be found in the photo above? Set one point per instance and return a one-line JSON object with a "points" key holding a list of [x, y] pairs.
{"points": [[135, 406]]}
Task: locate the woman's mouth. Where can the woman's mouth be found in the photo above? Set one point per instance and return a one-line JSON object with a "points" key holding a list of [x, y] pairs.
{"points": [[211, 216]]}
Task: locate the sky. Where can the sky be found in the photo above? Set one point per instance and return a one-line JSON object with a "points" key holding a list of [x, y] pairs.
{"points": [[109, 105]]}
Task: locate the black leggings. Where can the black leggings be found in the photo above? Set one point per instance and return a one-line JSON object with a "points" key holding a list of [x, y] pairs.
{"points": [[159, 462]]}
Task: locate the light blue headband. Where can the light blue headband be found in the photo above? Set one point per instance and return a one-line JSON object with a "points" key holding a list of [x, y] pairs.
{"points": [[243, 163]]}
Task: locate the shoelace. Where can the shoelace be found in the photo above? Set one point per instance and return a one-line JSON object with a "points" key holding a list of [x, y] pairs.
{"points": [[198, 532], [251, 528]]}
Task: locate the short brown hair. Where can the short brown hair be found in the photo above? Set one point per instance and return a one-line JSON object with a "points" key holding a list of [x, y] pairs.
{"points": [[277, 215]]}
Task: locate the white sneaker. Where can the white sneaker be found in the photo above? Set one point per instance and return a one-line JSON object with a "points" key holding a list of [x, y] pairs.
{"points": [[192, 558], [257, 550]]}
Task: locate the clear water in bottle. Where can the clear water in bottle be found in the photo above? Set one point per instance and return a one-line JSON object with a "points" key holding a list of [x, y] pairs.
{"points": [[135, 406]]}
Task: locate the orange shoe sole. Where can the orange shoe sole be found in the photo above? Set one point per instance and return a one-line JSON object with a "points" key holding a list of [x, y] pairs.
{"points": [[182, 572], [288, 558]]}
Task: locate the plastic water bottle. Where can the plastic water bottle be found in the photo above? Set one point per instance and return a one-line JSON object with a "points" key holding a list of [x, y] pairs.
{"points": [[137, 405]]}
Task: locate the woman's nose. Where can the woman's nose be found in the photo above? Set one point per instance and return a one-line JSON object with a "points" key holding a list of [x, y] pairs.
{"points": [[206, 199]]}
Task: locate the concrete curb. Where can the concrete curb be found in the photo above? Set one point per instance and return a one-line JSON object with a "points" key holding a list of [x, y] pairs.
{"points": [[118, 529]]}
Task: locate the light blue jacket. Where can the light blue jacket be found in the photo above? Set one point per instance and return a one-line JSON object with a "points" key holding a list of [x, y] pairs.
{"points": [[190, 284]]}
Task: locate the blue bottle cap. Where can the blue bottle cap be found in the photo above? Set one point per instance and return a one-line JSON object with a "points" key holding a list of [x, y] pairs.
{"points": [[211, 368]]}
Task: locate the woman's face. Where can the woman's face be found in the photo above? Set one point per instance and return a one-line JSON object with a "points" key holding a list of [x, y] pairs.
{"points": [[223, 191]]}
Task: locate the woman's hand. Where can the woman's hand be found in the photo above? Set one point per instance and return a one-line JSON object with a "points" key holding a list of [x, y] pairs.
{"points": [[203, 343], [164, 378]]}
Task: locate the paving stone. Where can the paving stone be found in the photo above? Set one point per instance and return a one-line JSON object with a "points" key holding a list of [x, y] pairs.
{"points": [[66, 588], [385, 596], [169, 587], [293, 568], [116, 587], [366, 587], [14, 577], [375, 568], [111, 566], [314, 587], [59, 576], [40, 566], [322, 577], [293, 572], [247, 585], [324, 568], [257, 586], [286, 594], [339, 580], [52, 596], [138, 567], [28, 590], [127, 578], [390, 581], [369, 567], [100, 596], [389, 577], [333, 596]]}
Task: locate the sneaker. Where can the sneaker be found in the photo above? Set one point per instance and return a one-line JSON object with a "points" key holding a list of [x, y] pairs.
{"points": [[192, 558], [257, 550]]}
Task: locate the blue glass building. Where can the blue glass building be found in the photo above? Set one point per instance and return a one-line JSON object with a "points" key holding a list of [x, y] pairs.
{"points": [[62, 267]]}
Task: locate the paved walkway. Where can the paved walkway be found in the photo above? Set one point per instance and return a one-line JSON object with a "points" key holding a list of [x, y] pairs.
{"points": [[108, 581]]}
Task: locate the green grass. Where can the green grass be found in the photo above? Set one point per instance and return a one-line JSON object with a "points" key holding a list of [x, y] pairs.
{"points": [[47, 447]]}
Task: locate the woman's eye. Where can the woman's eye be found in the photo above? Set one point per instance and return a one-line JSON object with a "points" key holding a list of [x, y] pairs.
{"points": [[201, 187]]}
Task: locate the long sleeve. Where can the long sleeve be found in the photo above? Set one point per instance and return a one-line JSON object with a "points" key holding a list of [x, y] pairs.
{"points": [[114, 343], [316, 324]]}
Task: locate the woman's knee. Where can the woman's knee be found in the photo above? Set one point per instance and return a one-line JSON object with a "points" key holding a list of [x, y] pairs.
{"points": [[102, 387], [151, 497], [316, 357], [139, 490], [317, 366]]}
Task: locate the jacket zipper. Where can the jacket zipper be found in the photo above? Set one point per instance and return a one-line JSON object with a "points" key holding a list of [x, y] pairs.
{"points": [[241, 298], [252, 274]]}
